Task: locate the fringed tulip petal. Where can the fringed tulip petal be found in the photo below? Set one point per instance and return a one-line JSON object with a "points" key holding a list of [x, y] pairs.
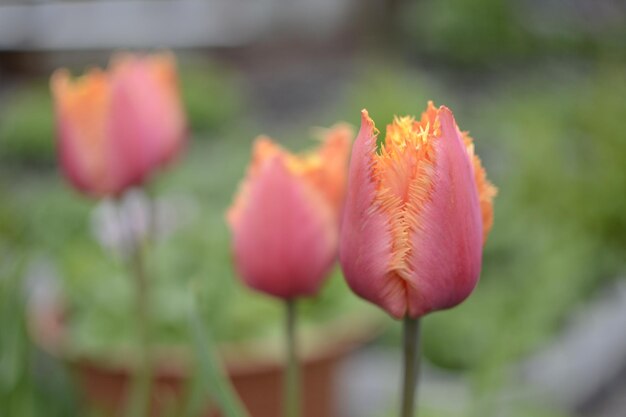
{"points": [[366, 242], [447, 244], [412, 233], [486, 190]]}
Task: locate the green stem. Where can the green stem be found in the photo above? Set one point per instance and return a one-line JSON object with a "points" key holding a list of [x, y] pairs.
{"points": [[411, 366], [291, 399], [139, 401]]}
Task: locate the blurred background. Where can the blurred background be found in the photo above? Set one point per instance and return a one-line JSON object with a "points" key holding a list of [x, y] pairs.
{"points": [[540, 85]]}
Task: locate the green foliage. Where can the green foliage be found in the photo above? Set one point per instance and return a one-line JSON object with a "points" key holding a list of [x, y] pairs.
{"points": [[467, 32], [211, 373], [14, 349], [488, 33], [211, 97], [26, 126], [24, 392]]}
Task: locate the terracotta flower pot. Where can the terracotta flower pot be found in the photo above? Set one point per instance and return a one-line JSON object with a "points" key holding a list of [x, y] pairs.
{"points": [[254, 368]]}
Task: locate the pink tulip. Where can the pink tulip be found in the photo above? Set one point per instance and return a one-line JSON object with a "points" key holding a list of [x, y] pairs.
{"points": [[285, 217], [417, 214], [116, 127]]}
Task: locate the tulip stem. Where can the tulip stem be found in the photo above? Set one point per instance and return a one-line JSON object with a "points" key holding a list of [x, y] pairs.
{"points": [[139, 401], [291, 399], [411, 366]]}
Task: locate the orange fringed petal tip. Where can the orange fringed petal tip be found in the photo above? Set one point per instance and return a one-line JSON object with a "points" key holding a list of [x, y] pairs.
{"points": [[417, 213], [116, 127], [284, 219]]}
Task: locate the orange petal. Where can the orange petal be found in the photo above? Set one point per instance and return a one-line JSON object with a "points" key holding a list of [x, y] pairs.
{"points": [[486, 190], [81, 108], [329, 174]]}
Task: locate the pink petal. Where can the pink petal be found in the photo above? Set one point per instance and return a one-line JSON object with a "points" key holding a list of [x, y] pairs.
{"points": [[285, 237], [69, 153], [147, 123], [447, 248], [365, 242]]}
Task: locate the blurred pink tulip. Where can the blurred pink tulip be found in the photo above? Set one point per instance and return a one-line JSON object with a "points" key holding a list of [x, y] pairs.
{"points": [[116, 127], [417, 213], [285, 217]]}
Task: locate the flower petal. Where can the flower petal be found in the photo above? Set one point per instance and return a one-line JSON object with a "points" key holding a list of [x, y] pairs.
{"points": [[486, 190], [366, 243], [330, 177], [447, 245], [284, 234], [116, 127], [146, 114], [82, 110]]}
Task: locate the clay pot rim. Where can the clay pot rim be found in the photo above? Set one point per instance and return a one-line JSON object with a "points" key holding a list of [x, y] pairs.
{"points": [[335, 338]]}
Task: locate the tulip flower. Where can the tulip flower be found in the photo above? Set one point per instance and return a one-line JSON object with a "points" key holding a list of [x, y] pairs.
{"points": [[285, 217], [417, 214], [116, 127], [285, 225], [418, 210]]}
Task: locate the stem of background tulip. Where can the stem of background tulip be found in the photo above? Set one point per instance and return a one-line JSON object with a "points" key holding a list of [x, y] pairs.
{"points": [[139, 402], [411, 366], [291, 381]]}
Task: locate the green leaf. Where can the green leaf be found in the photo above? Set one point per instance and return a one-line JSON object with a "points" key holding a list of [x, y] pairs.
{"points": [[212, 374]]}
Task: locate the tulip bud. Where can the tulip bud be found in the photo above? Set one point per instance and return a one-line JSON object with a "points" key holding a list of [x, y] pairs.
{"points": [[285, 217], [416, 216], [116, 127]]}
